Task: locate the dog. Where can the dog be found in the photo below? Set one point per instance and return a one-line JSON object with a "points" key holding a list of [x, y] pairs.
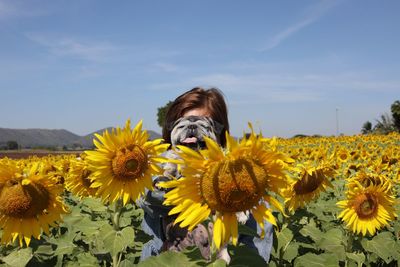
{"points": [[190, 131]]}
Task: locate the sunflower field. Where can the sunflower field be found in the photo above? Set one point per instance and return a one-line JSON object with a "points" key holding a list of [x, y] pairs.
{"points": [[333, 201]]}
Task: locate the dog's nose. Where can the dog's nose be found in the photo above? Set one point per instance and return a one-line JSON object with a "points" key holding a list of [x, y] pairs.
{"points": [[192, 130]]}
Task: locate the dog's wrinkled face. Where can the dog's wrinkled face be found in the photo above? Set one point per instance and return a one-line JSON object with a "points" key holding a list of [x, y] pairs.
{"points": [[190, 131]]}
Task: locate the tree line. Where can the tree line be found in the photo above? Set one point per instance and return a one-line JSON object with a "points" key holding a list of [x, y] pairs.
{"points": [[387, 123]]}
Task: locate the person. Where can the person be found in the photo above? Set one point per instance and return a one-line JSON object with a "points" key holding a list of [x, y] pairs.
{"points": [[205, 110]]}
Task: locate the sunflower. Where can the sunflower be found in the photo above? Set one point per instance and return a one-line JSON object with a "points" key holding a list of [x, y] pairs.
{"points": [[225, 182], [78, 178], [30, 202], [367, 208], [53, 167], [124, 162], [369, 177], [311, 181], [343, 155]]}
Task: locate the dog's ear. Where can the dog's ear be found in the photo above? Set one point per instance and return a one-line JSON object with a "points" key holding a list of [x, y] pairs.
{"points": [[218, 127], [172, 124]]}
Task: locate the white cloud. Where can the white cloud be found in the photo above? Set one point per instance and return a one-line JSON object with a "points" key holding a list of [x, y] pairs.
{"points": [[295, 87], [313, 14], [67, 46], [165, 67]]}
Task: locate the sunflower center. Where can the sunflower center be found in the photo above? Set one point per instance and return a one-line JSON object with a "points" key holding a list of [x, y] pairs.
{"points": [[233, 186], [129, 163], [85, 178], [308, 184], [23, 201], [366, 205]]}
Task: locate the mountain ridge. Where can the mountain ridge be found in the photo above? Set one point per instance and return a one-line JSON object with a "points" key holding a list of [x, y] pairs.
{"points": [[42, 138]]}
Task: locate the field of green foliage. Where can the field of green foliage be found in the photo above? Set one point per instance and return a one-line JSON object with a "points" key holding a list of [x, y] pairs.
{"points": [[92, 233]]}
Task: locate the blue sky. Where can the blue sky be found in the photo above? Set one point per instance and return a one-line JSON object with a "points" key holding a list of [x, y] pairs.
{"points": [[287, 66]]}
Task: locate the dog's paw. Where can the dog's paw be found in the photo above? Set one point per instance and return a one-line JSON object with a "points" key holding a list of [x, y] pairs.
{"points": [[242, 216], [223, 254], [171, 169]]}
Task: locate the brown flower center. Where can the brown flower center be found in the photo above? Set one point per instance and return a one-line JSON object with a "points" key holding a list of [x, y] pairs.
{"points": [[129, 163], [309, 183], [85, 178], [366, 205], [343, 156], [23, 201], [234, 185], [370, 180]]}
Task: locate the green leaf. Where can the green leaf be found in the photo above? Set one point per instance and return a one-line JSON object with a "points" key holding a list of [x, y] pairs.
{"points": [[128, 236], [98, 247], [126, 263], [383, 245], [168, 259], [87, 260], [65, 246], [217, 263], [113, 242], [245, 230], [79, 223], [75, 217], [94, 204], [291, 251], [105, 229], [332, 241], [131, 212], [311, 230], [314, 260], [124, 221], [359, 258], [243, 256], [194, 254], [19, 257], [285, 236], [46, 250]]}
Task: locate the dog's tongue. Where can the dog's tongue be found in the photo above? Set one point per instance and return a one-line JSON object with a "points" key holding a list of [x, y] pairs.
{"points": [[190, 140]]}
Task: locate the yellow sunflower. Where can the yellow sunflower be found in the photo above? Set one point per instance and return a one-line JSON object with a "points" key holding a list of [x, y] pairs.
{"points": [[369, 177], [124, 162], [343, 155], [368, 208], [78, 178], [53, 167], [311, 181], [30, 202], [225, 182]]}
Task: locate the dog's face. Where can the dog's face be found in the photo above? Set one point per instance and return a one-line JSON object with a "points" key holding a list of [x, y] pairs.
{"points": [[190, 131]]}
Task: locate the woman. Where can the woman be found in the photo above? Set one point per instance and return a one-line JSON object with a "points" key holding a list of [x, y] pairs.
{"points": [[192, 115]]}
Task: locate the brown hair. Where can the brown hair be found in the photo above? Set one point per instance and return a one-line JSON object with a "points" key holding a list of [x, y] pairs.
{"points": [[210, 99]]}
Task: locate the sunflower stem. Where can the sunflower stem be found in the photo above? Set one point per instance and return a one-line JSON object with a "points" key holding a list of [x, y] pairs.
{"points": [[115, 218], [349, 245], [350, 239], [117, 214]]}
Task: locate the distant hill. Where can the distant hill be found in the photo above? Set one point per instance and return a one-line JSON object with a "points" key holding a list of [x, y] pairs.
{"points": [[34, 138], [87, 140]]}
